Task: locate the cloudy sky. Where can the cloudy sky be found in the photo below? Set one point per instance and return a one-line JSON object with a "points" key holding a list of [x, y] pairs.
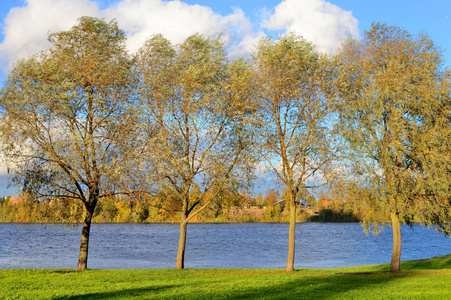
{"points": [[25, 24]]}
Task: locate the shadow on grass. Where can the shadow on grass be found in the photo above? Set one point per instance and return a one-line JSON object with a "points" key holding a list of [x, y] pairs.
{"points": [[143, 292], [305, 287], [319, 287], [429, 264]]}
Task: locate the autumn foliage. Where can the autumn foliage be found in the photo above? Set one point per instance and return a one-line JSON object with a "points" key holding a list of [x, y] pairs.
{"points": [[175, 133]]}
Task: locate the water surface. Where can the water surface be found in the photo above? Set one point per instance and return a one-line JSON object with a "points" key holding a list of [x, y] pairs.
{"points": [[255, 245]]}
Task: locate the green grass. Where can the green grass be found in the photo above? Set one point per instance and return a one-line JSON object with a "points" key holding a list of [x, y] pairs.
{"points": [[422, 279]]}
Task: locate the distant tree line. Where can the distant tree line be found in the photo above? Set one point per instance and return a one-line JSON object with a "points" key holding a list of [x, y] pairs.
{"points": [[119, 209], [177, 132]]}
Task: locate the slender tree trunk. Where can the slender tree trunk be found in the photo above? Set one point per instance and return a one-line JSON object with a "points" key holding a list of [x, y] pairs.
{"points": [[83, 256], [180, 264], [291, 236], [396, 255]]}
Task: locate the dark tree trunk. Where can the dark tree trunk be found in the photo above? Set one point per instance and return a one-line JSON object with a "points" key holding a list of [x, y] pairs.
{"points": [[291, 235], [180, 264], [396, 255], [83, 256]]}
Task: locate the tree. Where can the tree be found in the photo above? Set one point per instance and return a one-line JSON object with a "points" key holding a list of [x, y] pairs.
{"points": [[193, 121], [293, 116], [312, 201], [271, 197], [433, 190], [63, 112], [390, 87]]}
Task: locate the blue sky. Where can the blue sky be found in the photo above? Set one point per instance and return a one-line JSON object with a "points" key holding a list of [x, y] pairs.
{"points": [[26, 23]]}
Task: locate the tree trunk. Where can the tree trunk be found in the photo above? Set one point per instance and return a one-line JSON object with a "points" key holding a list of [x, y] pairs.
{"points": [[182, 243], [291, 235], [83, 256], [396, 255]]}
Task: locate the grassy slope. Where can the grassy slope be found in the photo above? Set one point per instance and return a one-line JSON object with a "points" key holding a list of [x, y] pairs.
{"points": [[423, 279]]}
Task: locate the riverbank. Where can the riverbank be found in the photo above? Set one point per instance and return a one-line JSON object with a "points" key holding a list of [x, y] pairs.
{"points": [[40, 213], [419, 279], [124, 210]]}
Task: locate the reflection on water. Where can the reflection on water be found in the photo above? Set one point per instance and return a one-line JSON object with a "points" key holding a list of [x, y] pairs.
{"points": [[133, 246]]}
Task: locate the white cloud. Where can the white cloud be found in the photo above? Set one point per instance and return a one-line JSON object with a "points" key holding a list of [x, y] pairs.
{"points": [[320, 22], [177, 20], [241, 35], [3, 170], [26, 28]]}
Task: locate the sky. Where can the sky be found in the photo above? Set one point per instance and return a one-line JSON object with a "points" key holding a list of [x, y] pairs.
{"points": [[25, 24]]}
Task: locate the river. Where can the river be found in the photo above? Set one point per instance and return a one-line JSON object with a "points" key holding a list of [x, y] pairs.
{"points": [[250, 245]]}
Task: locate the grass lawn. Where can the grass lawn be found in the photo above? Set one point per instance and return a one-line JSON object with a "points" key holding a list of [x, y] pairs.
{"points": [[422, 279]]}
